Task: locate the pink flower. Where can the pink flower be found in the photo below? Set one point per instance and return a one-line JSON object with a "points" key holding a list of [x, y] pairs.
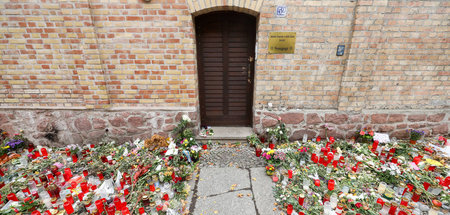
{"points": [[279, 118], [362, 133]]}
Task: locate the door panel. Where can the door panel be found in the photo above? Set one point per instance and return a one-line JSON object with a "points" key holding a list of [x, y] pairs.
{"points": [[225, 43]]}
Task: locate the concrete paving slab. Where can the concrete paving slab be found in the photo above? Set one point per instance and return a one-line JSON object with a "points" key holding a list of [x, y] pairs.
{"points": [[226, 204], [215, 181], [262, 189]]}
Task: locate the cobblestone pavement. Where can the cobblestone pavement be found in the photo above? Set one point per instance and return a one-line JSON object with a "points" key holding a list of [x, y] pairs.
{"points": [[231, 155]]}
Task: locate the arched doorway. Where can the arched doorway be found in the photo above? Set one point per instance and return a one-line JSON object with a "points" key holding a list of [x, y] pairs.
{"points": [[225, 54]]}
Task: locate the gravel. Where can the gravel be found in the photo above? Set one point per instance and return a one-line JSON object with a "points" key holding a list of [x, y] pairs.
{"points": [[231, 155]]}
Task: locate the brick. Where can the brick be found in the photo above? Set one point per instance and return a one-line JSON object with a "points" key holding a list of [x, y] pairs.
{"points": [[292, 118], [379, 118], [417, 117]]}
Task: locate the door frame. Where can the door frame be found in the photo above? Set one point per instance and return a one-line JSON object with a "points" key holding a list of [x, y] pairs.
{"points": [[250, 108]]}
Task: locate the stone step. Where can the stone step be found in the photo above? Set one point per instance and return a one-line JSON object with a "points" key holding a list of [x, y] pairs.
{"points": [[228, 135]]}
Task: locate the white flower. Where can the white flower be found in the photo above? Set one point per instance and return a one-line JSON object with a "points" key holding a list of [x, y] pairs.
{"points": [[281, 132], [186, 118]]}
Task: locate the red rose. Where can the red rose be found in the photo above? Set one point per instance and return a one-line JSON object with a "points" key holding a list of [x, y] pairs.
{"points": [[159, 208], [358, 205], [166, 197]]}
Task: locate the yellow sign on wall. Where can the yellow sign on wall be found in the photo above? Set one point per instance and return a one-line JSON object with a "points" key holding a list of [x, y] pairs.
{"points": [[282, 42]]}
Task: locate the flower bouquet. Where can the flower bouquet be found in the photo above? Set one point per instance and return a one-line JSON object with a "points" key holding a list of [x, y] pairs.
{"points": [[270, 169], [415, 135], [365, 135]]}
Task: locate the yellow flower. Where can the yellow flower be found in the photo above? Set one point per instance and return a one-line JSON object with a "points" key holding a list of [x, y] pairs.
{"points": [[270, 152], [433, 162]]}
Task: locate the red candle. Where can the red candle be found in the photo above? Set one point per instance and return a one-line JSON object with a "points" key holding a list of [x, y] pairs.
{"points": [[118, 203], [85, 173], [318, 139], [84, 187], [290, 208], [152, 187], [205, 147], [37, 154], [81, 196], [36, 213], [301, 199], [74, 158], [69, 198], [335, 163], [99, 205], [290, 173], [125, 211], [375, 145], [93, 187], [331, 184], [50, 177], [44, 152], [416, 196], [68, 207], [392, 150], [2, 173], [271, 145], [126, 192], [141, 210], [394, 160], [330, 156], [111, 210], [393, 209], [100, 175], [12, 197], [68, 172]]}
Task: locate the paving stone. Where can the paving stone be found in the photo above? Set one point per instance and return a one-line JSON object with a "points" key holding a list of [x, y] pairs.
{"points": [[219, 180], [262, 189], [226, 204], [226, 155]]}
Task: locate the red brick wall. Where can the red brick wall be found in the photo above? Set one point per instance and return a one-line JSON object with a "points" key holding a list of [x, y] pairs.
{"points": [[97, 54]]}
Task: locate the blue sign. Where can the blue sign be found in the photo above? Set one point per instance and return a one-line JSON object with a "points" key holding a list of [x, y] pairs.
{"points": [[281, 11]]}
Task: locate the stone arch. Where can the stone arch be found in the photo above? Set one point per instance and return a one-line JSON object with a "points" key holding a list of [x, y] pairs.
{"points": [[198, 7]]}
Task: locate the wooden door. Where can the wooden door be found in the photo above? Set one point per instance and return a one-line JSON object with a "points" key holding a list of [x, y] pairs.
{"points": [[225, 53]]}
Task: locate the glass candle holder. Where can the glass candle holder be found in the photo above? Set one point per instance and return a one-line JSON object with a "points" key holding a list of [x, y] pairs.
{"points": [[68, 207]]}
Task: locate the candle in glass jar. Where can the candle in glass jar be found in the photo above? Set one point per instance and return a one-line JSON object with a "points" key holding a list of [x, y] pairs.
{"points": [[290, 174], [68, 207], [44, 152], [416, 195], [35, 213], [74, 158], [381, 188], [331, 184], [68, 172], [84, 187], [118, 203], [12, 197], [289, 210], [301, 199], [100, 175], [99, 205], [125, 211], [69, 198], [375, 145], [404, 202], [111, 210], [393, 208]]}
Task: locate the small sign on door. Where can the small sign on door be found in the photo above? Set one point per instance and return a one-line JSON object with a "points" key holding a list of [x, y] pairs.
{"points": [[281, 11]]}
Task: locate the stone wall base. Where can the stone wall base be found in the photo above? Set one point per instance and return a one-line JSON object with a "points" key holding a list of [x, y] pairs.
{"points": [[345, 125], [64, 127]]}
